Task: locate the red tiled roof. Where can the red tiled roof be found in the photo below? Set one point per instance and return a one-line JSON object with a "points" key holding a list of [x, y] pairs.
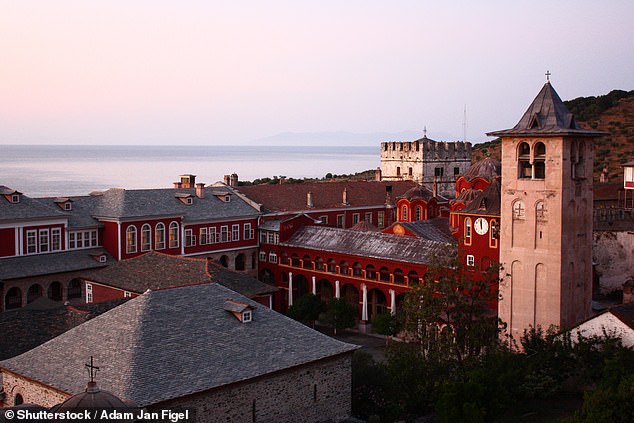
{"points": [[326, 195]]}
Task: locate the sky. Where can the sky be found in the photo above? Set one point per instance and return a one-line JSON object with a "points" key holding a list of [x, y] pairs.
{"points": [[241, 72]]}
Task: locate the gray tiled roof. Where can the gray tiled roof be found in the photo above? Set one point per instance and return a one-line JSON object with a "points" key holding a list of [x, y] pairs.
{"points": [[171, 343], [45, 264], [547, 115], [436, 229], [154, 270], [120, 204], [487, 168], [366, 244], [486, 202], [27, 209]]}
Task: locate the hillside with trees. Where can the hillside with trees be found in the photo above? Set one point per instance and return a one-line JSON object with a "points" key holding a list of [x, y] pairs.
{"points": [[612, 113]]}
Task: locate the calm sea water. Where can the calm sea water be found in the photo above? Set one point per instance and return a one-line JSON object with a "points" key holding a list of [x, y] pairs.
{"points": [[77, 170]]}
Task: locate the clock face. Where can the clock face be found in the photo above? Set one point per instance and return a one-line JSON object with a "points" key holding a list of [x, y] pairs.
{"points": [[481, 226]]}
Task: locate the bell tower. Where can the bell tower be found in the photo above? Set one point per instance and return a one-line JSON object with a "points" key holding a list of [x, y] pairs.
{"points": [[546, 218]]}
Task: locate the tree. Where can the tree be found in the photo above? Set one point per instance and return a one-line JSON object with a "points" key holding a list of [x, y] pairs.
{"points": [[307, 308], [386, 324], [451, 315], [340, 314]]}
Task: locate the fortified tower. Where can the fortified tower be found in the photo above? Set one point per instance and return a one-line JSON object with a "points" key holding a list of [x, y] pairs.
{"points": [[427, 162], [546, 218]]}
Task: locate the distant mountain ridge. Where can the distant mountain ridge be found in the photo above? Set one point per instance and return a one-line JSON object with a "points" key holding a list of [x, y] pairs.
{"points": [[341, 138], [612, 113]]}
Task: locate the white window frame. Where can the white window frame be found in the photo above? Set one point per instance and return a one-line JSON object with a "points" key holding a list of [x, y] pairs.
{"points": [[213, 235], [235, 232], [381, 219], [247, 316], [272, 257], [470, 260], [224, 233], [173, 235], [43, 240], [262, 255], [159, 236], [248, 232], [368, 217], [203, 236], [146, 229], [131, 241], [324, 219], [31, 241], [127, 294], [355, 218], [56, 239], [190, 238], [89, 297], [341, 220]]}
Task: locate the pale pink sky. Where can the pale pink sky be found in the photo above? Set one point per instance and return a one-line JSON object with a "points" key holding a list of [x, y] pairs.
{"points": [[222, 72]]}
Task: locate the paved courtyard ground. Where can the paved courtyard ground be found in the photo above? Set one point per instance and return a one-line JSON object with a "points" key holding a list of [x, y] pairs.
{"points": [[372, 344]]}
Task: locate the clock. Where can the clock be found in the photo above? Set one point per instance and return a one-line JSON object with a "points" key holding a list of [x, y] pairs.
{"points": [[481, 226]]}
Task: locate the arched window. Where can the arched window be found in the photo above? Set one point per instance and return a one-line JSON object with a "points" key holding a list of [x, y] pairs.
{"points": [[370, 272], [357, 269], [18, 400], [130, 236], [524, 168], [412, 278], [146, 237], [344, 267], [467, 230], [306, 263], [173, 235], [159, 236], [404, 214], [539, 161], [384, 274], [540, 210], [319, 264], [332, 265], [418, 213], [295, 262], [399, 277]]}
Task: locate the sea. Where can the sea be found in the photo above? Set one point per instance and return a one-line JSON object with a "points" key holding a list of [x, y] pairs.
{"points": [[54, 170]]}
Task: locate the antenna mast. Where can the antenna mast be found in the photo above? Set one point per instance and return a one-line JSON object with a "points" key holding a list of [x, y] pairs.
{"points": [[464, 125]]}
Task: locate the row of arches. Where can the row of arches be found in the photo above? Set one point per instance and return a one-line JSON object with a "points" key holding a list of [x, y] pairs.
{"points": [[531, 160], [16, 297], [354, 269], [377, 300]]}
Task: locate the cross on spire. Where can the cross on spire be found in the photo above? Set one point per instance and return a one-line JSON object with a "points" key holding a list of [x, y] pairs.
{"points": [[548, 76], [92, 369], [425, 131]]}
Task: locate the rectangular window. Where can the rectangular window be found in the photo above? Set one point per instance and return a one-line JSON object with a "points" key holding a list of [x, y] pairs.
{"points": [[470, 260], [248, 232], [340, 221], [224, 233], [324, 219], [56, 239], [31, 242], [235, 232], [368, 217], [262, 255], [93, 239], [381, 219], [71, 240], [213, 236], [43, 240], [439, 171], [89, 293], [276, 238], [262, 237], [272, 257], [190, 238], [203, 236], [355, 218], [127, 294], [270, 238], [86, 239], [79, 240], [456, 171]]}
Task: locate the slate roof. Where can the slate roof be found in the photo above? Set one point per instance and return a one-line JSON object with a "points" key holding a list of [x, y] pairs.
{"points": [[120, 203], [27, 209], [422, 193], [46, 264], [25, 328], [155, 270], [167, 344], [80, 216], [366, 244], [547, 115], [486, 202], [487, 168], [436, 229], [326, 195]]}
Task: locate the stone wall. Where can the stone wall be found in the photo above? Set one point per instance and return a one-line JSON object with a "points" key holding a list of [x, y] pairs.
{"points": [[613, 253], [31, 391], [318, 391]]}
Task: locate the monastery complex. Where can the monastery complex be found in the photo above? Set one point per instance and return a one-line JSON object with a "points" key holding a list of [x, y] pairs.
{"points": [[235, 254]]}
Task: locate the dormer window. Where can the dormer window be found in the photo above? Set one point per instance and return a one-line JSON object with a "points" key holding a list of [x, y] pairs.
{"points": [[241, 311], [246, 316], [185, 198], [15, 198], [102, 258], [68, 206], [189, 200], [227, 198]]}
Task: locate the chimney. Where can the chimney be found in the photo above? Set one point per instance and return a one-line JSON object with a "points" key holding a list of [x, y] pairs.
{"points": [[377, 174], [309, 200], [188, 181], [345, 196], [233, 180], [227, 179], [200, 190], [178, 184]]}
